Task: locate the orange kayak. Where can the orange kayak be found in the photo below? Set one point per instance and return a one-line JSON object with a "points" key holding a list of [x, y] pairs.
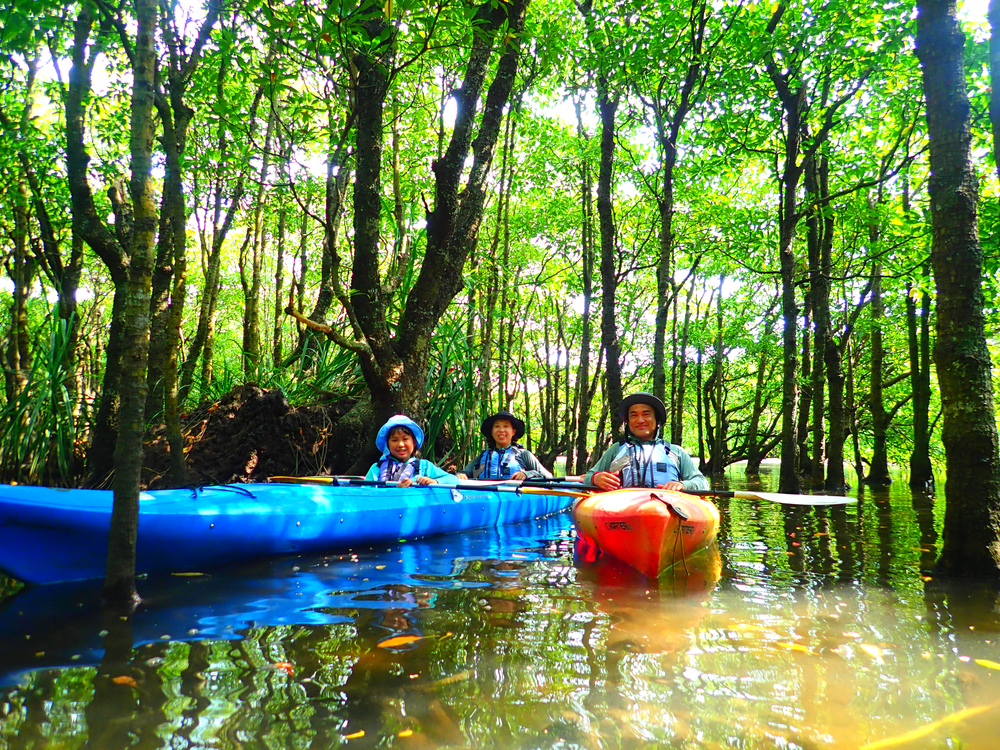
{"points": [[651, 530]]}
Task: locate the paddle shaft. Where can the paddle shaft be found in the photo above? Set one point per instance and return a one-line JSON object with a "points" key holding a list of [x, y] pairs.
{"points": [[773, 497], [582, 489], [473, 485]]}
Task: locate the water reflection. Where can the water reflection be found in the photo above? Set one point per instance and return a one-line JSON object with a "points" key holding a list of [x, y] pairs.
{"points": [[804, 628]]}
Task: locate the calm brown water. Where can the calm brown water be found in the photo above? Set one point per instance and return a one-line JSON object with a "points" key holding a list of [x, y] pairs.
{"points": [[806, 628]]}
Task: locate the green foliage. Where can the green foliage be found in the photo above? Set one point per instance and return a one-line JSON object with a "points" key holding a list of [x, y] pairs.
{"points": [[39, 433]]}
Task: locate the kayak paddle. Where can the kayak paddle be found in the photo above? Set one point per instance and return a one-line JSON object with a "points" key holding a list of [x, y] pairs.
{"points": [[578, 489], [469, 484]]}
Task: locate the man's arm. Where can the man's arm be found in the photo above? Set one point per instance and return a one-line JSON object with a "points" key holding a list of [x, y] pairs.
{"points": [[688, 472], [602, 464]]}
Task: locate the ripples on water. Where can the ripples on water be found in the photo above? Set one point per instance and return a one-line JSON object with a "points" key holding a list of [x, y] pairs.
{"points": [[806, 628]]}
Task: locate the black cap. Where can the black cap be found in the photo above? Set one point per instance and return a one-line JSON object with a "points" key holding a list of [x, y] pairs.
{"points": [[487, 426]]}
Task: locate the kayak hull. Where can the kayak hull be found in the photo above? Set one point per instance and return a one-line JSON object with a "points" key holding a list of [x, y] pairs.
{"points": [[49, 535], [651, 530]]}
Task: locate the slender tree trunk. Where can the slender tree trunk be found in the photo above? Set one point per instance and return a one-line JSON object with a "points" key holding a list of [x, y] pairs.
{"points": [[993, 14], [851, 420], [805, 391], [681, 366], [251, 309], [878, 472], [587, 262], [21, 270], [820, 285], [972, 489], [89, 226], [202, 344], [608, 106], [119, 583], [719, 446], [279, 270], [918, 329]]}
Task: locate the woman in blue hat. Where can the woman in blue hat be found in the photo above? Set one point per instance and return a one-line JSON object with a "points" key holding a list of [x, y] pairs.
{"points": [[399, 439], [643, 458], [504, 458]]}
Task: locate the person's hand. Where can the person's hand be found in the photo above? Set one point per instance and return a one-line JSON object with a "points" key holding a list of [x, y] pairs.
{"points": [[422, 480], [405, 482], [607, 481], [519, 475], [462, 475], [675, 486]]}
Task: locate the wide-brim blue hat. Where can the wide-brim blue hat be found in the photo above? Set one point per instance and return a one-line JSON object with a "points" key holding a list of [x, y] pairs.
{"points": [[399, 420]]}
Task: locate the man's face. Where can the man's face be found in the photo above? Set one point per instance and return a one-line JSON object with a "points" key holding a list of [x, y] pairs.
{"points": [[503, 433], [642, 421], [401, 444]]}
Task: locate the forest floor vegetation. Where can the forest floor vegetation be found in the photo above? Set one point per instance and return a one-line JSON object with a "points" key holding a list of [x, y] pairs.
{"points": [[248, 435]]}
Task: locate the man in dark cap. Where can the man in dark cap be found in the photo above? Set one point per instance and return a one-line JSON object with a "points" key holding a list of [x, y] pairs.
{"points": [[643, 458], [504, 458]]}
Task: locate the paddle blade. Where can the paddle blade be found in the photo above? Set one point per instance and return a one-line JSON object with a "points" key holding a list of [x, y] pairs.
{"points": [[776, 497]]}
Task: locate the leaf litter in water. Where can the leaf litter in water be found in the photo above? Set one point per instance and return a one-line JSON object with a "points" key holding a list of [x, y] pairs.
{"points": [[405, 640]]}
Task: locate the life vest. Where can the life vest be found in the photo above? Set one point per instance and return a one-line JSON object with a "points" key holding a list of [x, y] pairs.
{"points": [[391, 470], [650, 464], [494, 463]]}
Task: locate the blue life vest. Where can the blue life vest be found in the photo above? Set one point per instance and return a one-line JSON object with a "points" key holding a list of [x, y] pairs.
{"points": [[391, 470], [497, 464], [650, 464]]}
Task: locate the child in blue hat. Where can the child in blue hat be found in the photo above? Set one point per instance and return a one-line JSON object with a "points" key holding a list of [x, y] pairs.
{"points": [[399, 439]]}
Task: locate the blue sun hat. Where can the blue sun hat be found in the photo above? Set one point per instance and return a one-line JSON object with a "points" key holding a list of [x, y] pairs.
{"points": [[400, 420]]}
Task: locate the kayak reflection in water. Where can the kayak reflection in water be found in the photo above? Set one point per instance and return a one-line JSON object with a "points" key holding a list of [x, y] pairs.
{"points": [[643, 458], [505, 458], [399, 439]]}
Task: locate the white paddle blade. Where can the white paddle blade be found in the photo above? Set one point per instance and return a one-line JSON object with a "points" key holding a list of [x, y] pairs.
{"points": [[776, 497]]}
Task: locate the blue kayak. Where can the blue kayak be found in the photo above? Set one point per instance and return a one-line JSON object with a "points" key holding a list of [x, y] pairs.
{"points": [[50, 535]]}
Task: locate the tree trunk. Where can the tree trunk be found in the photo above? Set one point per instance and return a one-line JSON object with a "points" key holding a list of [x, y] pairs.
{"points": [[838, 416], [587, 261], [608, 106], [878, 471], [681, 366], [21, 270], [202, 344], [805, 391], [119, 583], [972, 489], [719, 444], [279, 285], [394, 367], [251, 295], [918, 329], [89, 226], [816, 303], [793, 103], [993, 14]]}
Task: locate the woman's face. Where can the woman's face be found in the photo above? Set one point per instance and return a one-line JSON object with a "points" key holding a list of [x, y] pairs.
{"points": [[503, 433], [401, 444]]}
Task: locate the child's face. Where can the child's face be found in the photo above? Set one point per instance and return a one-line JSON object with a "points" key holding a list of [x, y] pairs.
{"points": [[503, 433], [401, 444]]}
